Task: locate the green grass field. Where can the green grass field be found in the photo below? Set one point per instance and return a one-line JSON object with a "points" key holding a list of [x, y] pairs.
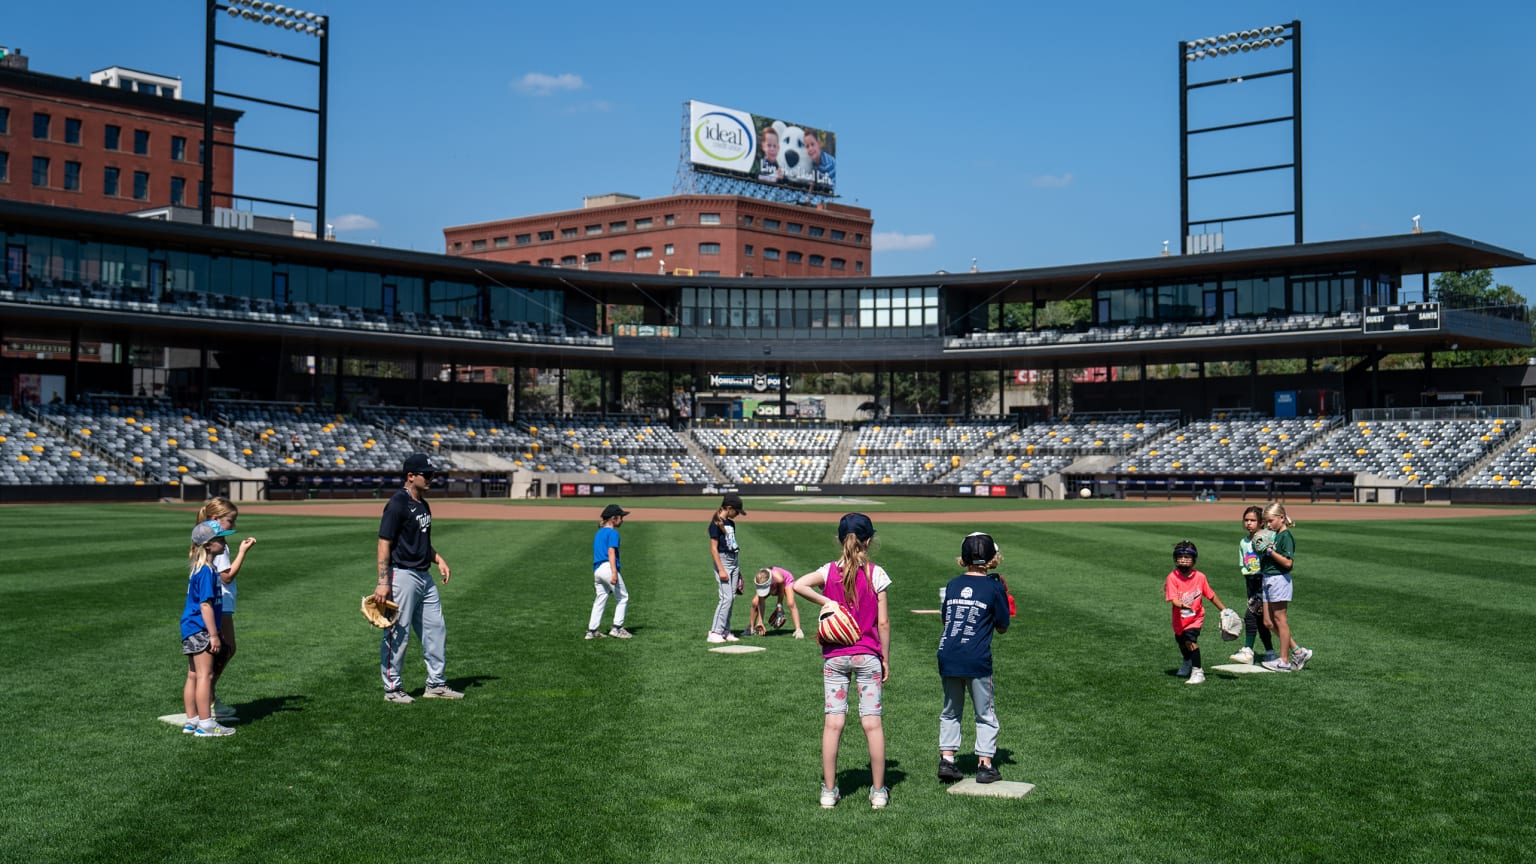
{"points": [[1409, 738]]}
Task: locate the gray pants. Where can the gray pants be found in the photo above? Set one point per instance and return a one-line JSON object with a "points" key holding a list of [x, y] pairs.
{"points": [[727, 590], [422, 611], [981, 703]]}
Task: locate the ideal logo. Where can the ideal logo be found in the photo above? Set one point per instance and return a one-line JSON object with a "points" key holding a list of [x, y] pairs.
{"points": [[723, 138]]}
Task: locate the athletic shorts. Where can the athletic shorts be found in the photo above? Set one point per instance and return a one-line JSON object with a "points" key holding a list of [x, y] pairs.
{"points": [[1190, 636], [1277, 589], [197, 643], [863, 670]]}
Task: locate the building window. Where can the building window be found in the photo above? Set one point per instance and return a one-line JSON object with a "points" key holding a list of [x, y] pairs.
{"points": [[747, 221], [141, 142], [709, 272], [71, 130], [771, 224], [794, 257], [839, 264], [202, 193], [569, 261], [39, 170], [141, 185], [202, 147], [524, 239], [859, 266], [178, 190], [818, 261], [40, 123], [816, 231], [616, 227], [72, 176], [858, 238], [837, 235], [709, 248], [457, 246], [546, 236], [148, 89], [670, 219], [593, 230], [794, 227], [618, 255], [668, 249], [643, 222], [112, 137], [178, 148], [5, 166], [546, 262], [594, 258], [5, 120], [709, 218], [643, 252], [501, 242], [770, 254], [568, 232], [477, 245], [747, 250]]}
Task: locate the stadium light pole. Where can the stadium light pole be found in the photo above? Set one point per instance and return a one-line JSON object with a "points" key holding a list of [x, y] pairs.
{"points": [[1218, 47], [264, 12]]}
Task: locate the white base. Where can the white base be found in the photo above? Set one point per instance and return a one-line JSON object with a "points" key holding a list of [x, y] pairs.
{"points": [[175, 719], [1242, 668], [1000, 789], [738, 649]]}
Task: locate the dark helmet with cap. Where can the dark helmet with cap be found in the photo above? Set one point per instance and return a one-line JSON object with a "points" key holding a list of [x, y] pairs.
{"points": [[978, 549], [1185, 547]]}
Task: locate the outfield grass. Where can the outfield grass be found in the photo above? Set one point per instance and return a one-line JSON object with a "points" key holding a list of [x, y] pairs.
{"points": [[1408, 739]]}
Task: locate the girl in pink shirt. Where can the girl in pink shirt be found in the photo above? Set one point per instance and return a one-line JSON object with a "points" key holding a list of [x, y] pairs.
{"points": [[1186, 588]]}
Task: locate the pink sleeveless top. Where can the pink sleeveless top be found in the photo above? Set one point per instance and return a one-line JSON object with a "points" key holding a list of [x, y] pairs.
{"points": [[865, 608]]}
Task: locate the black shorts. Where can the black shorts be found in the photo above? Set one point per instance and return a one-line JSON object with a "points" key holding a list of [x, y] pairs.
{"points": [[1189, 637]]}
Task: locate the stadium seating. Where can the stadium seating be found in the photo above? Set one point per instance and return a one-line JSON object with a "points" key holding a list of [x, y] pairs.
{"points": [[1513, 468], [917, 449], [294, 434], [33, 452], [146, 437], [1420, 452], [1229, 445]]}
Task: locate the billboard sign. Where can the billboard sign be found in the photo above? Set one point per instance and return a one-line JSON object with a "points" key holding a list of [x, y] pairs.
{"points": [[760, 148]]}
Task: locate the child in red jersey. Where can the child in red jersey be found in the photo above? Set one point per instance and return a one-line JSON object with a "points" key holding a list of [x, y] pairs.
{"points": [[1186, 588]]}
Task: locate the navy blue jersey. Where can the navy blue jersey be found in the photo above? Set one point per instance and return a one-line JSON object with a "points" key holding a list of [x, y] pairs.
{"points": [[974, 608], [407, 524]]}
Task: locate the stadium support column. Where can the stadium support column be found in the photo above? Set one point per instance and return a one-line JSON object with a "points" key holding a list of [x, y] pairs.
{"points": [[1253, 380], [1204, 409], [202, 377], [1055, 389], [966, 377], [946, 391], [516, 388], [1002, 400], [783, 391], [1141, 386], [73, 388], [421, 384], [338, 402]]}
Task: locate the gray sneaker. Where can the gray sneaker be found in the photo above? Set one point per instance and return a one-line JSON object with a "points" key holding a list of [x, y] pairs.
{"points": [[441, 691], [1300, 657], [620, 633], [399, 697]]}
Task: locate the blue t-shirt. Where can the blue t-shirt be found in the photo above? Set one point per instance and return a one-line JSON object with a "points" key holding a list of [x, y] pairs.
{"points": [[974, 607], [607, 538], [202, 587]]}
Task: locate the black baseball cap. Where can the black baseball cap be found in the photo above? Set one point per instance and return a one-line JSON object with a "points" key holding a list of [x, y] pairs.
{"points": [[856, 524], [613, 510], [733, 500], [978, 549], [418, 463]]}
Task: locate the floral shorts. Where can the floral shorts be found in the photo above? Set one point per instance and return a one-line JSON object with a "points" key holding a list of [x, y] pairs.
{"points": [[860, 669]]}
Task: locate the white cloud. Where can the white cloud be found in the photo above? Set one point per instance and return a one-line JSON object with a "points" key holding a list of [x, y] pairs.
{"points": [[891, 241], [354, 222], [1051, 181], [539, 84]]}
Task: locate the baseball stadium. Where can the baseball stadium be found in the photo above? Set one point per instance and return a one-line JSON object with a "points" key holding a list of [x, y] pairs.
{"points": [[1091, 417]]}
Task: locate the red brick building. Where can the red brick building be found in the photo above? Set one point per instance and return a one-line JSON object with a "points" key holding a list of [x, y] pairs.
{"points": [[114, 147], [707, 235]]}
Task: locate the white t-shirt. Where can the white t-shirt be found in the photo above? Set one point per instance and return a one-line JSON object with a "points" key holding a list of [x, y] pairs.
{"points": [[226, 589]]}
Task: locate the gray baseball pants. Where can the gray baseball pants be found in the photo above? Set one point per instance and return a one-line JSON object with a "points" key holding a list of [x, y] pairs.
{"points": [[981, 703], [422, 611]]}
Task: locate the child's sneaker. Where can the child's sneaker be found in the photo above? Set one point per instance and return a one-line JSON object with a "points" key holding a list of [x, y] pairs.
{"points": [[714, 638], [878, 798], [988, 774], [212, 729], [1278, 666], [731, 637], [829, 797], [620, 633], [1243, 655], [1184, 669], [1300, 656], [189, 727], [1196, 676], [594, 634], [949, 772]]}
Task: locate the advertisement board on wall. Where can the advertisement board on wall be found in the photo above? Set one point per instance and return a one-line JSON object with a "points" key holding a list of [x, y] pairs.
{"points": [[761, 148]]}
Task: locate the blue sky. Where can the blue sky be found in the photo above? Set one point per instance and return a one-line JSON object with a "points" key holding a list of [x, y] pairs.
{"points": [[1014, 134]]}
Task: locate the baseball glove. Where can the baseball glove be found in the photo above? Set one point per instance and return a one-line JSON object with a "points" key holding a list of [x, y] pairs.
{"points": [[1231, 625], [380, 615], [1263, 540], [776, 620], [835, 626]]}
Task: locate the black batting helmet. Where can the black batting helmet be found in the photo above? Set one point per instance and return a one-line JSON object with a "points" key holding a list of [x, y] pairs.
{"points": [[1185, 547]]}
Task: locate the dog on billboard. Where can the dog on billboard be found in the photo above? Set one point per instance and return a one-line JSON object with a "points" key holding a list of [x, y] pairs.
{"points": [[794, 164]]}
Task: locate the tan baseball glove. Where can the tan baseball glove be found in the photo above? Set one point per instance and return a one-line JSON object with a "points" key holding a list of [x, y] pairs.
{"points": [[380, 615]]}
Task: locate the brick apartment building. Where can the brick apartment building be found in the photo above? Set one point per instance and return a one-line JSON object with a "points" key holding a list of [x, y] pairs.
{"points": [[121, 142], [706, 235]]}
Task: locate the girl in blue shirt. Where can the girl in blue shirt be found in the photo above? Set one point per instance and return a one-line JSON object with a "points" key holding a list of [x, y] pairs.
{"points": [[606, 578], [200, 629]]}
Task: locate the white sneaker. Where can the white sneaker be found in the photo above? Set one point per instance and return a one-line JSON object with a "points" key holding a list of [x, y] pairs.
{"points": [[208, 729], [1300, 657], [1184, 669], [830, 797], [878, 798], [732, 637], [1196, 676], [714, 638], [1243, 655]]}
